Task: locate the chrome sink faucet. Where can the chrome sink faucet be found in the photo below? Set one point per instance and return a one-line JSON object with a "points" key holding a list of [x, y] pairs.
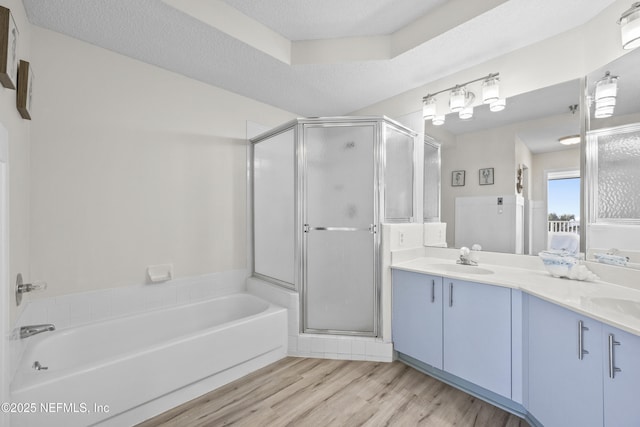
{"points": [[29, 330], [469, 257]]}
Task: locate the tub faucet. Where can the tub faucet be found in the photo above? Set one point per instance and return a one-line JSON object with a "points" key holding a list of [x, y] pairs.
{"points": [[29, 330]]}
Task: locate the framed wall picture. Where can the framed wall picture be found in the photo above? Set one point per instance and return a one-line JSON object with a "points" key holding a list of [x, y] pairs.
{"points": [[8, 49], [486, 176], [24, 97], [457, 178]]}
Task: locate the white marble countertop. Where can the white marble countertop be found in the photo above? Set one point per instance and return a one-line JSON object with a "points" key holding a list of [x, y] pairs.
{"points": [[615, 305]]}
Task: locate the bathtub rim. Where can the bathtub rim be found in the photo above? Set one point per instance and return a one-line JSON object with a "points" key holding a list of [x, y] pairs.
{"points": [[27, 378]]}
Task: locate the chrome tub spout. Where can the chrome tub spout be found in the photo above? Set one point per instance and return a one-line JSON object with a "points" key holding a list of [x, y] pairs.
{"points": [[29, 330]]}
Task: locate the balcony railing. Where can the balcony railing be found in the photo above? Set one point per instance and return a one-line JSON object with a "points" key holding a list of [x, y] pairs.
{"points": [[564, 227]]}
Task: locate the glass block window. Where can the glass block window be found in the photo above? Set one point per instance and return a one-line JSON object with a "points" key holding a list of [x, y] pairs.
{"points": [[618, 183]]}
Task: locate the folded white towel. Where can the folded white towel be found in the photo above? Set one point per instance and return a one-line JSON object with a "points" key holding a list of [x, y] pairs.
{"points": [[569, 242], [611, 259]]}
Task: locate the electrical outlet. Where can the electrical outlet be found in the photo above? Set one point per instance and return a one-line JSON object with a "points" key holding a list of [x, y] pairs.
{"points": [[401, 239]]}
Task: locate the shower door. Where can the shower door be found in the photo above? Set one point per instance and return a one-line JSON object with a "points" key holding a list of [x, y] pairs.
{"points": [[340, 280]]}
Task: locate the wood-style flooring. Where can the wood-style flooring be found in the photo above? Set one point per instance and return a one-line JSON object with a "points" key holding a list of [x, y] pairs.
{"points": [[320, 392]]}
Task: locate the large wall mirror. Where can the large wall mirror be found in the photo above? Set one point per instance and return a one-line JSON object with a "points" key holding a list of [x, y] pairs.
{"points": [[510, 181], [613, 162]]}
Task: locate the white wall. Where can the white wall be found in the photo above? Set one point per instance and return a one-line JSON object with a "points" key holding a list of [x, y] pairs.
{"points": [[18, 130], [568, 56], [493, 148], [565, 57], [132, 165], [548, 162], [17, 138], [497, 228]]}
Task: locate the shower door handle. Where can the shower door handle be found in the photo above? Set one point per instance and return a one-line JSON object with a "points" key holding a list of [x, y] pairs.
{"points": [[371, 229]]}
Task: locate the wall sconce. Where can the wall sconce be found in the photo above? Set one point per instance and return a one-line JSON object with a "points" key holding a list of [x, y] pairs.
{"points": [[630, 27], [461, 99], [605, 95]]}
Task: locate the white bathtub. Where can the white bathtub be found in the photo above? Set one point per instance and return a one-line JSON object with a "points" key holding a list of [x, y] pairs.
{"points": [[102, 370]]}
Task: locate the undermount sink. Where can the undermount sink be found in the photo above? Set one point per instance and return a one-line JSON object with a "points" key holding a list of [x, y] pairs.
{"points": [[461, 268], [618, 305]]}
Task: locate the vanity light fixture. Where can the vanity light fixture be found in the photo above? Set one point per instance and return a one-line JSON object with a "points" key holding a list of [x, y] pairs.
{"points": [[630, 27], [428, 107], [569, 140], [491, 89], [605, 95], [457, 99], [467, 111], [438, 120], [498, 105], [461, 99]]}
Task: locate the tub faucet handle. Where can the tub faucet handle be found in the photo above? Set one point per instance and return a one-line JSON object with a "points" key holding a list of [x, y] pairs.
{"points": [[38, 367], [22, 287]]}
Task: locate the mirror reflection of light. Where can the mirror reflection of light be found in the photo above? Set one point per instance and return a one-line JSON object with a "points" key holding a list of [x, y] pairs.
{"points": [[569, 140], [630, 27]]}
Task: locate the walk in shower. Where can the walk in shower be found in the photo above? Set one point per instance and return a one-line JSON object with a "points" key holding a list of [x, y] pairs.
{"points": [[321, 189]]}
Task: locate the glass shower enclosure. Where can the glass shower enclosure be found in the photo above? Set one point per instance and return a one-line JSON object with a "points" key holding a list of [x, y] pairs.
{"points": [[320, 190]]}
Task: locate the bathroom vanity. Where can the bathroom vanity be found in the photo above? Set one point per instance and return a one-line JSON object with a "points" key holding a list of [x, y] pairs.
{"points": [[556, 352]]}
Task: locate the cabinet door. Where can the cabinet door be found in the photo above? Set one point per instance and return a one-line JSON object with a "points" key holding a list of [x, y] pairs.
{"points": [[477, 334], [417, 316], [564, 383], [622, 351]]}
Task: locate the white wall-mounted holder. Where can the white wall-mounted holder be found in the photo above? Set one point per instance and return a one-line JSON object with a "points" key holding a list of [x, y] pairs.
{"points": [[160, 273]]}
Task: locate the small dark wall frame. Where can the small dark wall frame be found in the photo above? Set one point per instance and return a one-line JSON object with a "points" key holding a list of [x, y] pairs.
{"points": [[457, 178], [486, 176], [24, 96], [8, 49]]}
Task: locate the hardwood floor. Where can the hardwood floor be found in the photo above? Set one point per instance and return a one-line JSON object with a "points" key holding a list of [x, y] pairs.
{"points": [[320, 392]]}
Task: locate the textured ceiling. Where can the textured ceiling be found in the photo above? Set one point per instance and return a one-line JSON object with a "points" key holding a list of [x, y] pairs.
{"points": [[156, 33]]}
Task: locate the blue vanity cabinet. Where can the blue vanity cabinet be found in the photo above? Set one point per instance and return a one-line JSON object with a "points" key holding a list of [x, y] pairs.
{"points": [[564, 359], [417, 316], [477, 334], [621, 370]]}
